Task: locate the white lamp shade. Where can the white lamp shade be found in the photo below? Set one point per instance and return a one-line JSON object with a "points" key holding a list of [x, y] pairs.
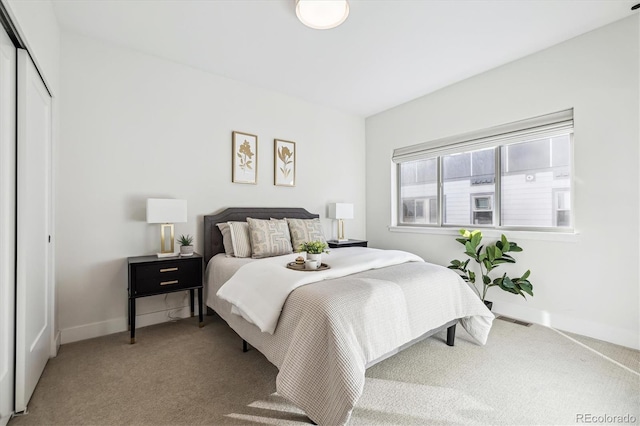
{"points": [[322, 14], [162, 210], [341, 211]]}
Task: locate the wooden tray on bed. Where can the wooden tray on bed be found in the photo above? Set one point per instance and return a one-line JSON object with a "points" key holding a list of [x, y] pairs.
{"points": [[296, 267]]}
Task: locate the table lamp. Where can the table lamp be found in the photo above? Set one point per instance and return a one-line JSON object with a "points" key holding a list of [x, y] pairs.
{"points": [[341, 211], [166, 212]]}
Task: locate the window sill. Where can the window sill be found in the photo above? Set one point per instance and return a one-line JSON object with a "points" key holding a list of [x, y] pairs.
{"points": [[569, 237]]}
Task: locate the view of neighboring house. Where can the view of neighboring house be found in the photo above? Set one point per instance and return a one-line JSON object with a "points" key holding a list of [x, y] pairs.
{"points": [[534, 186]]}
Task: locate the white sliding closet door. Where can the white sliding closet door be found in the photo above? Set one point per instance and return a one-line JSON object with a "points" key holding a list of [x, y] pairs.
{"points": [[34, 289], [7, 222]]}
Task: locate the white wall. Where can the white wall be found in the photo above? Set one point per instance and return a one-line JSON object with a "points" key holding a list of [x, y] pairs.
{"points": [[588, 284], [134, 126]]}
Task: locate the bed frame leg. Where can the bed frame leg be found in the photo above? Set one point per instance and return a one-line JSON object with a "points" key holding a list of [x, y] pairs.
{"points": [[245, 347], [451, 335]]}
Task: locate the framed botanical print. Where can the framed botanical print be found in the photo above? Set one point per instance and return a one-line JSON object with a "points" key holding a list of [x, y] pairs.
{"points": [[245, 158], [284, 163]]}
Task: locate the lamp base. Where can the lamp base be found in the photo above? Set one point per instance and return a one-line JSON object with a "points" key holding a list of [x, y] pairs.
{"points": [[341, 237], [167, 254]]}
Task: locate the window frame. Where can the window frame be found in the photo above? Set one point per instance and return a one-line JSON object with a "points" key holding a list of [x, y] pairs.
{"points": [[548, 126]]}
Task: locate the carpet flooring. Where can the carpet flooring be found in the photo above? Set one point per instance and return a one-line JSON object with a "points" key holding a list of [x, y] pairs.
{"points": [[179, 374]]}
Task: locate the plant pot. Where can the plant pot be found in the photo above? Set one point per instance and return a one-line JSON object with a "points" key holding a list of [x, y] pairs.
{"points": [[488, 304], [315, 256], [186, 250]]}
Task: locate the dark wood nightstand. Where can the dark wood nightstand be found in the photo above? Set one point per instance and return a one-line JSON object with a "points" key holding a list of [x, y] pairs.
{"points": [[150, 275], [348, 243]]}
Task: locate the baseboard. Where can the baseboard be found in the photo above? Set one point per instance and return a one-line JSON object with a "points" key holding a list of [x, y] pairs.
{"points": [[117, 325], [561, 322], [58, 340]]}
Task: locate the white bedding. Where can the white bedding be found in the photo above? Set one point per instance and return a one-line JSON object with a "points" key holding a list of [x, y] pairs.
{"points": [[259, 289], [330, 331]]}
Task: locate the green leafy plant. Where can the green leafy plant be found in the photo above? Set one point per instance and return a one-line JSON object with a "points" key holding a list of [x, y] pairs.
{"points": [[185, 240], [313, 247], [489, 257]]}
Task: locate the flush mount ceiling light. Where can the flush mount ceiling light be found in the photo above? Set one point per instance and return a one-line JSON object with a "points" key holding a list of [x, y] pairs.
{"points": [[322, 14]]}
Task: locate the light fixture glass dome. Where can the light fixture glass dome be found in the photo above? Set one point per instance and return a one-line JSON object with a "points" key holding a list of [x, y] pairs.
{"points": [[322, 14]]}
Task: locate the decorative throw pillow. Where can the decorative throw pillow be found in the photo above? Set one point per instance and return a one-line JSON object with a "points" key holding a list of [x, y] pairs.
{"points": [[304, 231], [240, 239], [226, 238], [269, 237]]}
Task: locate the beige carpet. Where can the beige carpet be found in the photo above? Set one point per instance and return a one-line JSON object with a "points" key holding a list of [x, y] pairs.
{"points": [[178, 373]]}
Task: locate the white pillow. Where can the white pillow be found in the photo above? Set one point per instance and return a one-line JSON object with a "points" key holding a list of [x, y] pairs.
{"points": [[226, 238], [240, 239]]}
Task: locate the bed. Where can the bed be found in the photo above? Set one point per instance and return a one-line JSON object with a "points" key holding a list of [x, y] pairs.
{"points": [[328, 332]]}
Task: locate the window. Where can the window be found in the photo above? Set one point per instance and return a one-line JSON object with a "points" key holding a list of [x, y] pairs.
{"points": [[419, 191], [420, 171], [529, 178], [562, 207], [516, 175], [469, 175], [423, 210], [560, 151], [483, 163], [456, 166], [433, 210], [482, 209], [536, 155], [526, 156]]}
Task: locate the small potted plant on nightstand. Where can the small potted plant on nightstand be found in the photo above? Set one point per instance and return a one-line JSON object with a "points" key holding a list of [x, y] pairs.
{"points": [[186, 245]]}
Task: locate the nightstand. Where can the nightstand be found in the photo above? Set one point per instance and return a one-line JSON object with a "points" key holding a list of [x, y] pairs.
{"points": [[150, 275], [348, 243]]}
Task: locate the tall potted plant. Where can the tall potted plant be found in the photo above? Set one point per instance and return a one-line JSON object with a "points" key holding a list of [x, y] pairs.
{"points": [[488, 258]]}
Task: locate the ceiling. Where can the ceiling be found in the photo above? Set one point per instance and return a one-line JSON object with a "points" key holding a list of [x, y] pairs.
{"points": [[386, 53]]}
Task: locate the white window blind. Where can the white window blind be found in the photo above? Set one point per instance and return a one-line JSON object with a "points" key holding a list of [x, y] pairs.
{"points": [[548, 125]]}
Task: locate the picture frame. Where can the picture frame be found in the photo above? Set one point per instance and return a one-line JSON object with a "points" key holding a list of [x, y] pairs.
{"points": [[284, 163], [244, 151]]}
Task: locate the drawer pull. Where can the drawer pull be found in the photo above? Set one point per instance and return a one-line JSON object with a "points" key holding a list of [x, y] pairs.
{"points": [[168, 269], [169, 282]]}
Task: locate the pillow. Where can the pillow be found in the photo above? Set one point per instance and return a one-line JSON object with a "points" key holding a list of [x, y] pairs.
{"points": [[240, 239], [304, 231], [269, 237], [226, 238]]}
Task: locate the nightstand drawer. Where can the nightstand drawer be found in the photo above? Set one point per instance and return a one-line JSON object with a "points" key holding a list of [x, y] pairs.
{"points": [[155, 285], [165, 270], [164, 277]]}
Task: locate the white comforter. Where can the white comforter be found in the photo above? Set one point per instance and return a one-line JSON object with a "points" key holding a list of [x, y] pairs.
{"points": [[259, 289]]}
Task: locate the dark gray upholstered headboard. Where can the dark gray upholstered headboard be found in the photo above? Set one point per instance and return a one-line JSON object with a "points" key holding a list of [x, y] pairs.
{"points": [[213, 238]]}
